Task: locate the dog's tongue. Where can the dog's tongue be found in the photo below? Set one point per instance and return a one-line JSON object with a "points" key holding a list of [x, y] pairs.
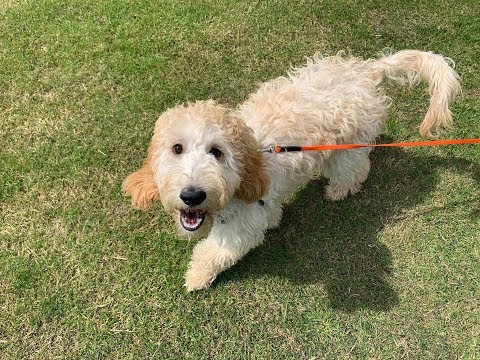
{"points": [[191, 219]]}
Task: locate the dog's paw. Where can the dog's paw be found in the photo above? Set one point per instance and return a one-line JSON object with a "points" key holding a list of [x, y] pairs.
{"points": [[197, 280], [274, 215], [274, 223], [337, 192]]}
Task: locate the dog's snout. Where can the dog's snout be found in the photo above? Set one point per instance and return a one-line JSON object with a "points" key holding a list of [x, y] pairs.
{"points": [[192, 196]]}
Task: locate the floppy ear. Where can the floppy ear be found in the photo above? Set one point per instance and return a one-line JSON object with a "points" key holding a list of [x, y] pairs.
{"points": [[255, 182], [141, 186]]}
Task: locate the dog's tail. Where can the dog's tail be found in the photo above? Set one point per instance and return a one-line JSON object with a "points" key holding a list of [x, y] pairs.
{"points": [[414, 66]]}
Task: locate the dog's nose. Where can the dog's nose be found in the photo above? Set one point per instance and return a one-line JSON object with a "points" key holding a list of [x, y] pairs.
{"points": [[192, 196]]}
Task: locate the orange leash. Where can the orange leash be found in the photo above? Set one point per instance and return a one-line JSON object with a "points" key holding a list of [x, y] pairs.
{"points": [[280, 149]]}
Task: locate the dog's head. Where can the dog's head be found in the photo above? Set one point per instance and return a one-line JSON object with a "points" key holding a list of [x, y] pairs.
{"points": [[199, 158]]}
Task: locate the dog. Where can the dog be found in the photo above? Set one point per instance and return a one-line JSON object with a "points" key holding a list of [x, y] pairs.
{"points": [[209, 167]]}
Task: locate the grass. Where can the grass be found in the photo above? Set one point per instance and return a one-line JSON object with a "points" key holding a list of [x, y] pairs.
{"points": [[390, 273]]}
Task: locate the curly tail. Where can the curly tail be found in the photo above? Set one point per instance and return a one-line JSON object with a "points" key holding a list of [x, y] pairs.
{"points": [[415, 66]]}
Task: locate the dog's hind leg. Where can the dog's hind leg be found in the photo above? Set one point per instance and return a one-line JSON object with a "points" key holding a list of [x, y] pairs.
{"points": [[346, 170]]}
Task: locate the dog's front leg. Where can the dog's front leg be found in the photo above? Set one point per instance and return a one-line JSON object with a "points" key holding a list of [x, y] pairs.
{"points": [[239, 228], [208, 260]]}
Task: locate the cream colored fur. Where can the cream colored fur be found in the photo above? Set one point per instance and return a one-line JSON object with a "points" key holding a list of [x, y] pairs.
{"points": [[331, 100]]}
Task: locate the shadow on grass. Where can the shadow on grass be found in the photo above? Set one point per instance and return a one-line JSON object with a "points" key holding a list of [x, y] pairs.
{"points": [[336, 243]]}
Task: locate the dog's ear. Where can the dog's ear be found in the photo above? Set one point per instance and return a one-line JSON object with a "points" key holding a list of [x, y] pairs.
{"points": [[141, 186], [255, 182]]}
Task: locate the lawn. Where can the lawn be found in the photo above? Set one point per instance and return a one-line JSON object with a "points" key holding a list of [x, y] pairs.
{"points": [[392, 272]]}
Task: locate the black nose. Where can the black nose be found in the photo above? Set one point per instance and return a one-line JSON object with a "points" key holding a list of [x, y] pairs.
{"points": [[192, 196]]}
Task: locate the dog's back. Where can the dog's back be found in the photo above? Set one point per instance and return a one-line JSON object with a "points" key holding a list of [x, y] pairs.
{"points": [[336, 100]]}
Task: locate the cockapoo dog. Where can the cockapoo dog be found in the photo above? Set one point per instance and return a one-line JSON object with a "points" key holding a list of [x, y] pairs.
{"points": [[207, 164]]}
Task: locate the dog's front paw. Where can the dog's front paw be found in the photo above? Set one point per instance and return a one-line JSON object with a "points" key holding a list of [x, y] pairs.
{"points": [[198, 280]]}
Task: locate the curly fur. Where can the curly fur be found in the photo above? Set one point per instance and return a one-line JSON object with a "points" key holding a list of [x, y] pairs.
{"points": [[331, 100]]}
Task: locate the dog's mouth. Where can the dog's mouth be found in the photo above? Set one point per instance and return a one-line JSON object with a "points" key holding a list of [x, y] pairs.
{"points": [[192, 219]]}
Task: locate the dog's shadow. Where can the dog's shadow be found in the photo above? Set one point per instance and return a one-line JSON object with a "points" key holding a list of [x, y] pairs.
{"points": [[336, 243]]}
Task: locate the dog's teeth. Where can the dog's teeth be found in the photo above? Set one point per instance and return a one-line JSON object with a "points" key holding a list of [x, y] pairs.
{"points": [[192, 219]]}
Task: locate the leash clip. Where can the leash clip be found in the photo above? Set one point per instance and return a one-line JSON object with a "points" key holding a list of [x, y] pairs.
{"points": [[270, 149], [282, 149]]}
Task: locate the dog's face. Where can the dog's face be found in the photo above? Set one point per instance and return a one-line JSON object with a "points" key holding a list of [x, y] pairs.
{"points": [[199, 158]]}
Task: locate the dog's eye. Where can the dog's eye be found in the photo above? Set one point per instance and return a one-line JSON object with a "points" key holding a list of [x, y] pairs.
{"points": [[177, 149], [215, 152]]}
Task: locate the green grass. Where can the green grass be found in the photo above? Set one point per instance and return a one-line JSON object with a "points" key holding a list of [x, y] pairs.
{"points": [[390, 273]]}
